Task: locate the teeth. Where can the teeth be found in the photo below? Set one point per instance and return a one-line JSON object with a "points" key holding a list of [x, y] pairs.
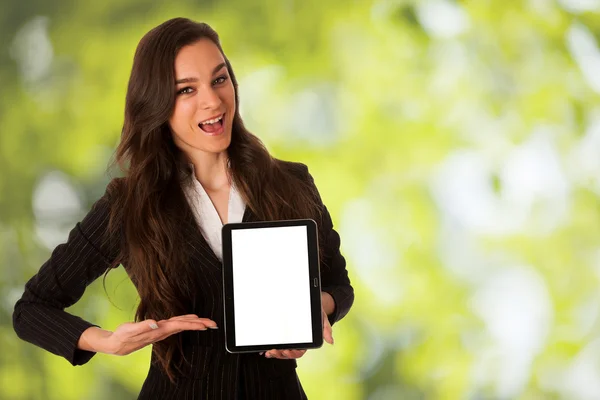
{"points": [[212, 121]]}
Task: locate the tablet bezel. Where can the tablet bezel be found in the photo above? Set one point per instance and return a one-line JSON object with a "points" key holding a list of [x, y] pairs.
{"points": [[314, 283]]}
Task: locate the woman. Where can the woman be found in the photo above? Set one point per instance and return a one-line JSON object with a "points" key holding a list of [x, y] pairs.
{"points": [[190, 166]]}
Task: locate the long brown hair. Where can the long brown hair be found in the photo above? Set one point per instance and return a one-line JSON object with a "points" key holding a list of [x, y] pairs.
{"points": [[150, 208]]}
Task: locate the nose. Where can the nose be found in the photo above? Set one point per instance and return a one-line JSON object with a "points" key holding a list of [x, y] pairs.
{"points": [[209, 99]]}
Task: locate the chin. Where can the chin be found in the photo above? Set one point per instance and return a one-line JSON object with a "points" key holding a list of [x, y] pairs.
{"points": [[222, 146]]}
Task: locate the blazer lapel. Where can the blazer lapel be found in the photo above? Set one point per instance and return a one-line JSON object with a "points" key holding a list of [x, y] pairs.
{"points": [[249, 216], [204, 252], [202, 249]]}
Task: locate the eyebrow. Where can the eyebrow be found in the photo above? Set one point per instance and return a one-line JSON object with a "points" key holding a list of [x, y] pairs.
{"points": [[187, 80]]}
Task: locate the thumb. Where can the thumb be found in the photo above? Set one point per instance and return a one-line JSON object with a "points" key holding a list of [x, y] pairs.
{"points": [[327, 331]]}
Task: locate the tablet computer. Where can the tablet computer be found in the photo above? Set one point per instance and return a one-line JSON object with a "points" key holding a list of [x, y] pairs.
{"points": [[271, 286]]}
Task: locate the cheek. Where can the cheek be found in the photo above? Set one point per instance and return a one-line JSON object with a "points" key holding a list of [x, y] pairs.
{"points": [[182, 116], [228, 96]]}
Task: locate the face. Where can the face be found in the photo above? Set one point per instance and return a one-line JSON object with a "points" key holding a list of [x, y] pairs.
{"points": [[205, 100]]}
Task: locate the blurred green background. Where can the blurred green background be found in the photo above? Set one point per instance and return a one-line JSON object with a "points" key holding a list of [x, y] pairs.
{"points": [[456, 144]]}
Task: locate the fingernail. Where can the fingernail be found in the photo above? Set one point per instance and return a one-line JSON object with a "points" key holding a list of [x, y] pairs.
{"points": [[261, 353], [213, 327], [153, 326]]}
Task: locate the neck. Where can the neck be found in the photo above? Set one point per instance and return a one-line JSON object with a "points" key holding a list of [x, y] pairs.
{"points": [[211, 170]]}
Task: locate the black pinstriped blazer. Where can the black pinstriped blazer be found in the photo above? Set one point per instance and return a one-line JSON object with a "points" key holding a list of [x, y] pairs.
{"points": [[39, 316]]}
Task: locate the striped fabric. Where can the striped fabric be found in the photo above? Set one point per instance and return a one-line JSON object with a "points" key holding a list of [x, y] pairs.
{"points": [[39, 316]]}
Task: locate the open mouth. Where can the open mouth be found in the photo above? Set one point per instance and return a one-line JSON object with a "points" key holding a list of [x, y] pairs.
{"points": [[212, 126]]}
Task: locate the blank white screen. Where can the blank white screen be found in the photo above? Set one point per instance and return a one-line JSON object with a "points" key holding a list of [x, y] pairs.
{"points": [[271, 288]]}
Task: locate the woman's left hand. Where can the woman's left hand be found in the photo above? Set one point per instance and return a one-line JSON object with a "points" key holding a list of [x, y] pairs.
{"points": [[284, 354], [327, 333]]}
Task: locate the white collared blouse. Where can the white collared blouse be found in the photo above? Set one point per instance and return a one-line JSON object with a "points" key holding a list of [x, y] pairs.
{"points": [[207, 216]]}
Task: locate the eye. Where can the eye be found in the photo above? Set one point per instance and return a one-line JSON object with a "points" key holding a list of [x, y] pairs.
{"points": [[185, 90], [220, 80]]}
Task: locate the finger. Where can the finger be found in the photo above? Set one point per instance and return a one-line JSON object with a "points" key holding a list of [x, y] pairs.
{"points": [[209, 323], [136, 331], [180, 318], [273, 354], [291, 354], [168, 328], [285, 354], [184, 325], [294, 353], [187, 316], [135, 328], [328, 334], [151, 329], [327, 331]]}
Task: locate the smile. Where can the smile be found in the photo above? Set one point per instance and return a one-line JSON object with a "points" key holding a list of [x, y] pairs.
{"points": [[213, 126], [213, 120]]}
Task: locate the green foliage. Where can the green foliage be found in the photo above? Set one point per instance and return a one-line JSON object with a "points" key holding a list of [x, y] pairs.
{"points": [[379, 100]]}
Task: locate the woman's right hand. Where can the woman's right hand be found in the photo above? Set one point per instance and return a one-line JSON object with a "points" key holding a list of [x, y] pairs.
{"points": [[132, 336]]}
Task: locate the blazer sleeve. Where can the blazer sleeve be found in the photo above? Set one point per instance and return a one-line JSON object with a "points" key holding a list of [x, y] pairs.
{"points": [[334, 276], [39, 315]]}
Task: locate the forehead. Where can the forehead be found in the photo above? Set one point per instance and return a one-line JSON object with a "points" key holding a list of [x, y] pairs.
{"points": [[197, 59]]}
